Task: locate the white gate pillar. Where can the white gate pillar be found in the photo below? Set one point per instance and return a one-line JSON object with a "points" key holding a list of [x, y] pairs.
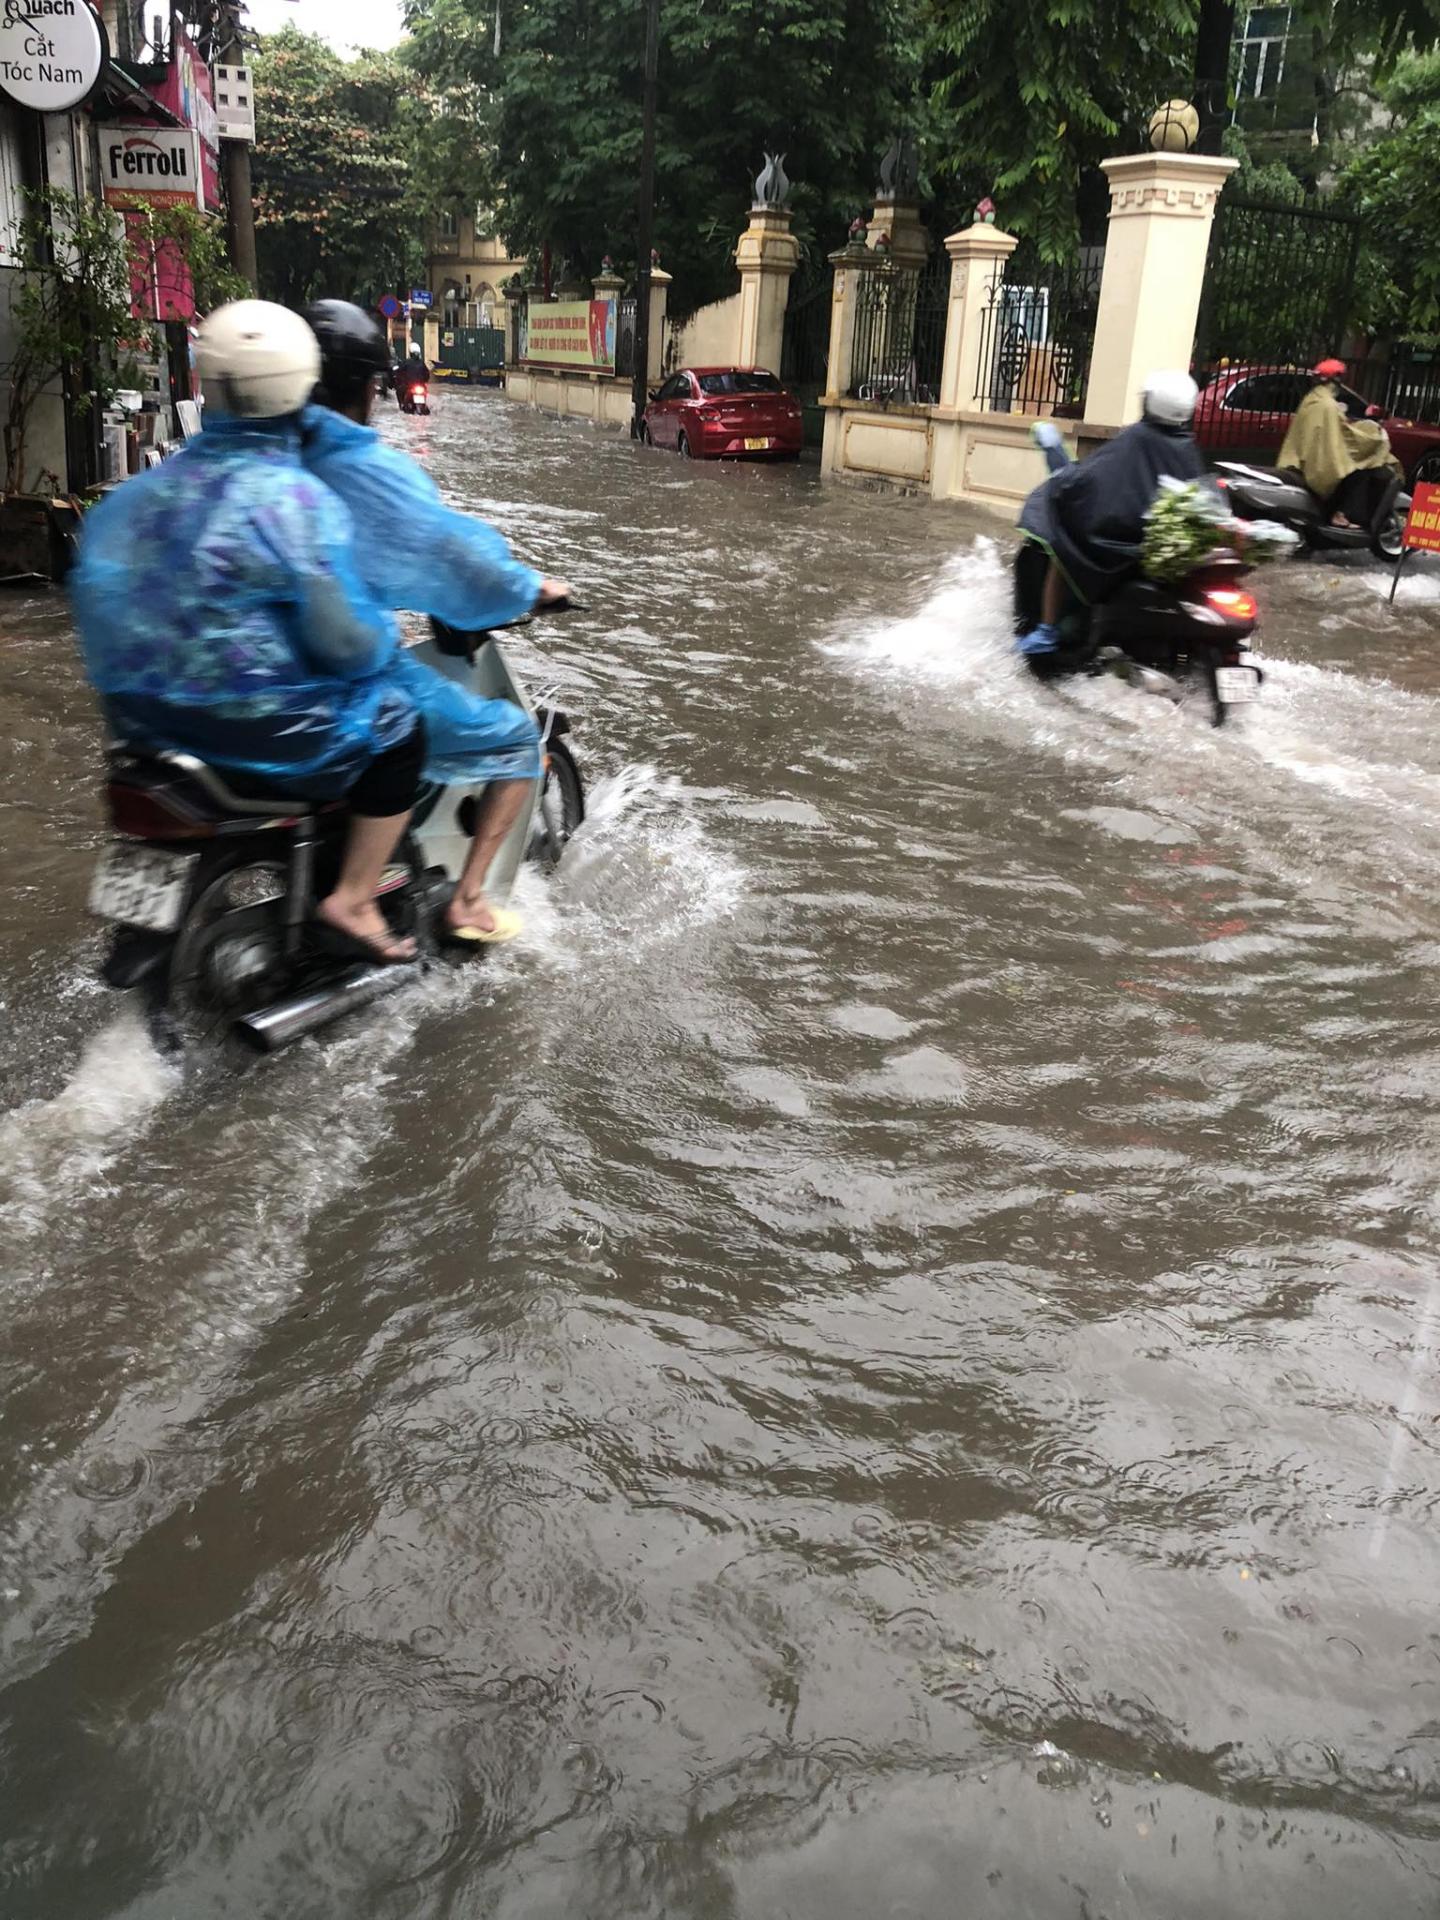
{"points": [[1162, 206]]}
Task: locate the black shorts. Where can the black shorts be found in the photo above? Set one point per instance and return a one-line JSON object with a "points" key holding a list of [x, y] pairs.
{"points": [[391, 782]]}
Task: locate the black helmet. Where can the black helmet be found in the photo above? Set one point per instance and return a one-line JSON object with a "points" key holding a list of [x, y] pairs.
{"points": [[353, 350]]}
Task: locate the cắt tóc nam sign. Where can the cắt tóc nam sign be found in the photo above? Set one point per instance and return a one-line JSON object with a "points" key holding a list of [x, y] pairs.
{"points": [[571, 333], [52, 52]]}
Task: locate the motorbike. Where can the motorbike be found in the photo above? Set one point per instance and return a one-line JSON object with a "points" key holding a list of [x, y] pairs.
{"points": [[416, 398], [1265, 493], [1164, 639], [209, 889]]}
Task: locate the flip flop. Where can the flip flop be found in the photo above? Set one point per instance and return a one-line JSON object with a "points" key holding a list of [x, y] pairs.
{"points": [[506, 926], [351, 946]]}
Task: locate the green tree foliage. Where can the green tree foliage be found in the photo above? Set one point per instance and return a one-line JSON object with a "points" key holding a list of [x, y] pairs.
{"points": [[199, 240], [822, 81], [70, 314], [1025, 95], [334, 207], [1393, 183]]}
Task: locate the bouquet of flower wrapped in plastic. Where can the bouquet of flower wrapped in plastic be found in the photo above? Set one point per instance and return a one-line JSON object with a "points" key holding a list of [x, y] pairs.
{"points": [[1187, 521]]}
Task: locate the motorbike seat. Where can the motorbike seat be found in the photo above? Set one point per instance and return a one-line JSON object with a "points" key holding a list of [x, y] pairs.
{"points": [[152, 793]]}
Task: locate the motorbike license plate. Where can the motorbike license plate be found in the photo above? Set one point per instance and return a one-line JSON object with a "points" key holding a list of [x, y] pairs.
{"points": [[142, 886], [1236, 685], [756, 446]]}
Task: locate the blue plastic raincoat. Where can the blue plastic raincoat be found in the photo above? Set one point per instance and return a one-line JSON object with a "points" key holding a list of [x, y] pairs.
{"points": [[417, 554], [220, 614]]}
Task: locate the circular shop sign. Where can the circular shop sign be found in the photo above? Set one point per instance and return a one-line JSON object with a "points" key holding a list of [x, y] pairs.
{"points": [[52, 52]]}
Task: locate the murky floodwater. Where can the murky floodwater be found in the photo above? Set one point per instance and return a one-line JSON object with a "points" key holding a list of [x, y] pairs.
{"points": [[883, 1362]]}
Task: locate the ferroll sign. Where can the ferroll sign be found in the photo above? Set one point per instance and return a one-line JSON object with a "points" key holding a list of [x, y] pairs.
{"points": [[150, 167], [52, 52]]}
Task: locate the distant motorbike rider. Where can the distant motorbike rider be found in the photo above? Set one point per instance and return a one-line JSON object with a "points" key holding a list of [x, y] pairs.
{"points": [[411, 372], [1347, 464], [1084, 525], [221, 615], [443, 563]]}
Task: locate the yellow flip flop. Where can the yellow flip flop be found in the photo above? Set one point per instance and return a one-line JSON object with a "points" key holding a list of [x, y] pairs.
{"points": [[506, 926]]}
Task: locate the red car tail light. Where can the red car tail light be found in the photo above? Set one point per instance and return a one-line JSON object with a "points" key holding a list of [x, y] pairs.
{"points": [[1234, 602]]}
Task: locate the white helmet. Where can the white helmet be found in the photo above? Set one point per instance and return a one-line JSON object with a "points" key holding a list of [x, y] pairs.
{"points": [[256, 360], [1169, 399]]}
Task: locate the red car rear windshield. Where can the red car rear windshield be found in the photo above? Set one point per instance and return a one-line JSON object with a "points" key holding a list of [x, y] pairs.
{"points": [[738, 383]]}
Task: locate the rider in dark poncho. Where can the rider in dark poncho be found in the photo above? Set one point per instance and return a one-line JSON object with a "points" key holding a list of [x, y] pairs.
{"points": [[1089, 518]]}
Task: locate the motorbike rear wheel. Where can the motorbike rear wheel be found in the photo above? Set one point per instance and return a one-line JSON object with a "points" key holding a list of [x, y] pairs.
{"points": [[1388, 543], [562, 806], [228, 956]]}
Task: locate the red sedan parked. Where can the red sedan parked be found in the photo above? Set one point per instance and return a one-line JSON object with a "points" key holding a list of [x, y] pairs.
{"points": [[720, 413], [1248, 410]]}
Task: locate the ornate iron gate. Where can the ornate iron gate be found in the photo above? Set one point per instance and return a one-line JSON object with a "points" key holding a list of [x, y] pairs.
{"points": [[1279, 295], [805, 347]]}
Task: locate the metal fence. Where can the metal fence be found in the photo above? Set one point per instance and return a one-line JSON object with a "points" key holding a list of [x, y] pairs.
{"points": [[519, 327], [805, 346], [1412, 386], [1037, 334], [625, 337], [1280, 282], [899, 341]]}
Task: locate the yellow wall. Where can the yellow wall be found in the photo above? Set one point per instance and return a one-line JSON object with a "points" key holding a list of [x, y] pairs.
{"points": [[484, 260]]}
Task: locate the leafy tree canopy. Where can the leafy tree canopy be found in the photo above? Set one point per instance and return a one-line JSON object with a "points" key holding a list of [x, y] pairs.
{"points": [[1026, 95], [1393, 183], [823, 81], [336, 212]]}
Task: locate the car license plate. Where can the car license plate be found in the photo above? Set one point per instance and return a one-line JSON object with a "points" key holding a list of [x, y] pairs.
{"points": [[143, 886], [756, 446], [1235, 685]]}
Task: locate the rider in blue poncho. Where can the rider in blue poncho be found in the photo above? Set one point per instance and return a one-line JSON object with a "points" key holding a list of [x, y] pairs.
{"points": [[417, 554], [221, 615]]}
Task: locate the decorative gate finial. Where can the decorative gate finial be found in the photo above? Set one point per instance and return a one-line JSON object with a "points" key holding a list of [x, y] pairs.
{"points": [[772, 188], [900, 169]]}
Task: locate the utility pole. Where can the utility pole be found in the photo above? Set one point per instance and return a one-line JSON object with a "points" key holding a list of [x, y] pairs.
{"points": [[235, 158], [645, 224]]}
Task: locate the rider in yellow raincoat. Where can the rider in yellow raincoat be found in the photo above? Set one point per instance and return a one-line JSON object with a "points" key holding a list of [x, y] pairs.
{"points": [[1347, 464]]}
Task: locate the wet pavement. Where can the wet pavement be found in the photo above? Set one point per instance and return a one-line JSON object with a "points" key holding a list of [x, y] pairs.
{"points": [[881, 1363]]}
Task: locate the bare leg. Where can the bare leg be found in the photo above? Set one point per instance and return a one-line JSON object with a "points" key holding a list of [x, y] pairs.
{"points": [[1052, 598], [351, 907], [499, 808]]}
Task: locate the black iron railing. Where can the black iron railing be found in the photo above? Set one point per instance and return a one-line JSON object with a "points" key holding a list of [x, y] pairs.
{"points": [[1037, 335], [899, 339], [1412, 386], [519, 327], [625, 338]]}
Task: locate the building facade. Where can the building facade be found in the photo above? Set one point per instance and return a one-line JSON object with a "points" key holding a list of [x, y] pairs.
{"points": [[467, 267]]}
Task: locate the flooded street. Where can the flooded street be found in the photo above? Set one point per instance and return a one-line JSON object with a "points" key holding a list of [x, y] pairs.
{"points": [[882, 1362]]}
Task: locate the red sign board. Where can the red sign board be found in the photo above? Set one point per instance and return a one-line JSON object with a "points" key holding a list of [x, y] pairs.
{"points": [[1422, 528]]}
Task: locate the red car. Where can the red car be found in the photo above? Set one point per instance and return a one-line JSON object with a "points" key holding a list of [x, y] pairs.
{"points": [[1248, 410], [720, 413]]}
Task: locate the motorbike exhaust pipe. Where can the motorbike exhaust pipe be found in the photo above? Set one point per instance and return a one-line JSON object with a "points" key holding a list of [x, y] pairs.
{"points": [[275, 1027]]}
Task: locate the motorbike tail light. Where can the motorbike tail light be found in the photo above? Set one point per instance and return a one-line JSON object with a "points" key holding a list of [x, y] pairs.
{"points": [[1234, 602], [141, 814]]}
